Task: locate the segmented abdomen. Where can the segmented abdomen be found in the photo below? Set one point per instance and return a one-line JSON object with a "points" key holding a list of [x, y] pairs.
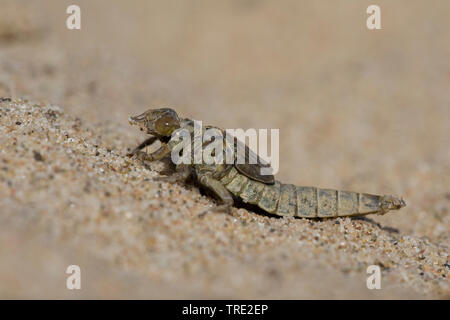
{"points": [[309, 202]]}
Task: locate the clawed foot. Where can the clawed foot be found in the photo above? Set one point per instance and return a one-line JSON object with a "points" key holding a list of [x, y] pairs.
{"points": [[170, 179], [225, 208], [141, 156], [135, 152]]}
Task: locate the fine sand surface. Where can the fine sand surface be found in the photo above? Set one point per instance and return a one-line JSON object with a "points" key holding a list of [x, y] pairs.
{"points": [[357, 110]]}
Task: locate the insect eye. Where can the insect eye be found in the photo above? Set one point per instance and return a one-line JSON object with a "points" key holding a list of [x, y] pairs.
{"points": [[165, 125]]}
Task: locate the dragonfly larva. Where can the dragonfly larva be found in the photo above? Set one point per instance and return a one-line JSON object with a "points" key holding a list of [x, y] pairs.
{"points": [[244, 181]]}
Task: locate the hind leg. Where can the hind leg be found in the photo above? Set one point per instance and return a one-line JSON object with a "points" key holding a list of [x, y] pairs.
{"points": [[219, 190]]}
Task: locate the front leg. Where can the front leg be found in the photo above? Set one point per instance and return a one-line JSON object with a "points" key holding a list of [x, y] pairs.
{"points": [[163, 151], [141, 146]]}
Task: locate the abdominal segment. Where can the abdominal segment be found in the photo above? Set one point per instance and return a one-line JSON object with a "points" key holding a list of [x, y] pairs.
{"points": [[299, 201]]}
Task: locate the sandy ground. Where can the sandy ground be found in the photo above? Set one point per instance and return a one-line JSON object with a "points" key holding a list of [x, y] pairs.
{"points": [[357, 110]]}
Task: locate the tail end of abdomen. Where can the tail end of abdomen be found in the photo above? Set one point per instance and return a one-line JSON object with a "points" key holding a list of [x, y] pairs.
{"points": [[317, 202], [390, 202], [357, 204]]}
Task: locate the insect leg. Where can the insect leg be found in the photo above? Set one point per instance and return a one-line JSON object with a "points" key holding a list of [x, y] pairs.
{"points": [[183, 172], [219, 190], [141, 146], [163, 151]]}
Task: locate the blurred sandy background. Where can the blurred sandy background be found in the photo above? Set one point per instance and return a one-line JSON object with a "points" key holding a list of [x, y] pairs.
{"points": [[357, 110]]}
